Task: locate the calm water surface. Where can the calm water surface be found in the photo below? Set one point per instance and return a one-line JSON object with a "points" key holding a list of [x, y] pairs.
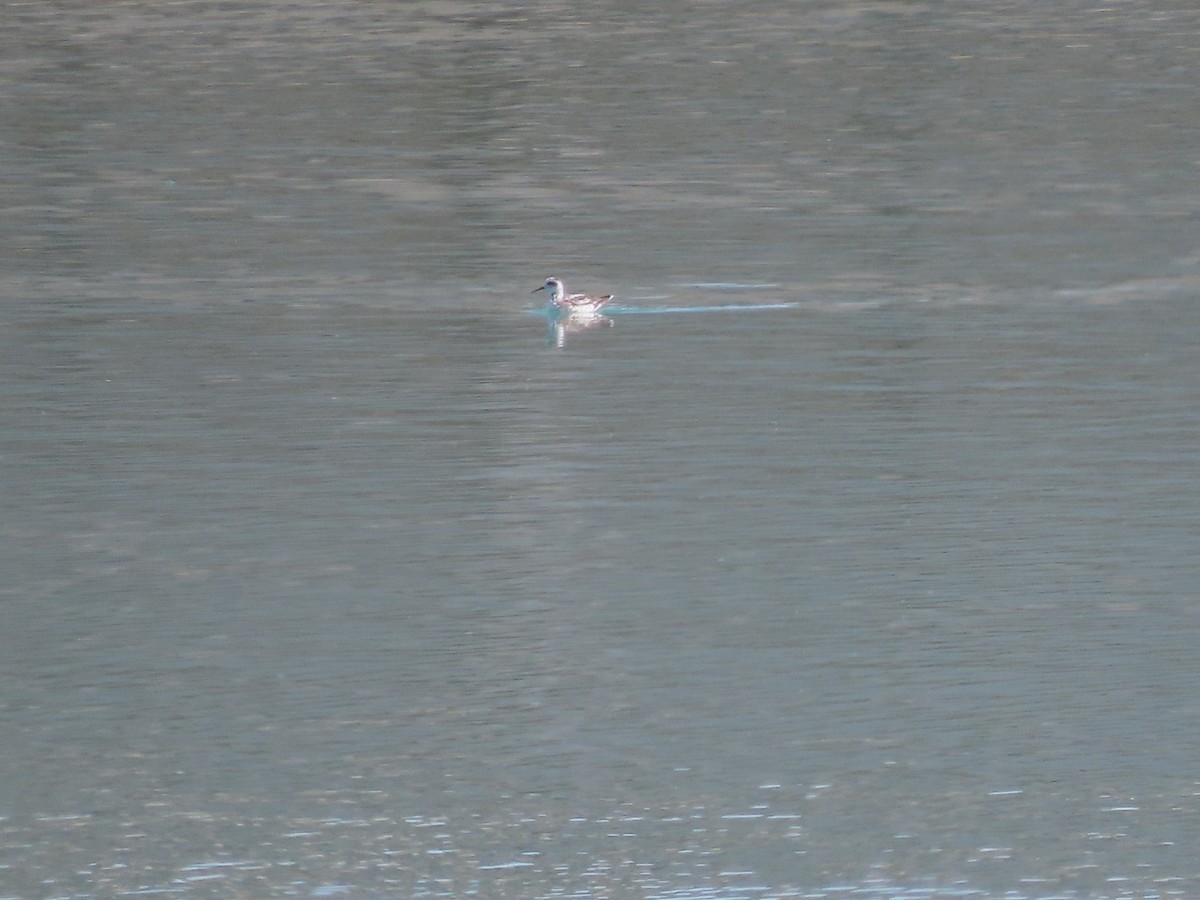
{"points": [[325, 576]]}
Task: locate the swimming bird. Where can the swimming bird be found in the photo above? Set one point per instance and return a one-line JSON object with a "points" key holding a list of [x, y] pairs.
{"points": [[562, 303]]}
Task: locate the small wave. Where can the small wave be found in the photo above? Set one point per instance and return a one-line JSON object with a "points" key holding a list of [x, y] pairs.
{"points": [[730, 285], [615, 310], [724, 307]]}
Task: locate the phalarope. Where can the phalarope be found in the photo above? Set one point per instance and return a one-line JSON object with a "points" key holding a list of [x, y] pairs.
{"points": [[578, 305]]}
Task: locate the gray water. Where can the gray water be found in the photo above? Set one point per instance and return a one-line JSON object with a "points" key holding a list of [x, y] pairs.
{"points": [[323, 575]]}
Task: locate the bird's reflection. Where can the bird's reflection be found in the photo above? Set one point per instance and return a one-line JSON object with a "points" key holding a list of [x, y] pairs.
{"points": [[562, 323]]}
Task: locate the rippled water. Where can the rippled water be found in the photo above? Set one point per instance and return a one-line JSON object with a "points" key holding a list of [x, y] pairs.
{"points": [[326, 576]]}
